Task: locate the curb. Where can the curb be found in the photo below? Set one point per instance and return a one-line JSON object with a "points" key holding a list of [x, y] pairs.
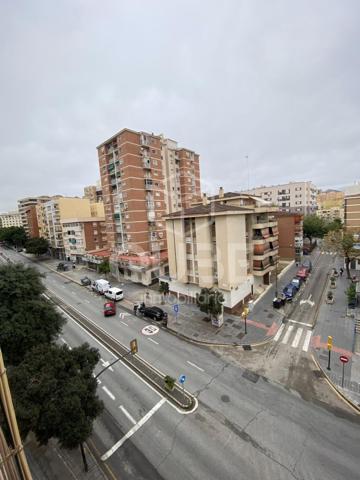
{"points": [[334, 386]]}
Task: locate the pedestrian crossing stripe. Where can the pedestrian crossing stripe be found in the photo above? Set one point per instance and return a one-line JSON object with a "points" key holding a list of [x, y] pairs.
{"points": [[294, 336]]}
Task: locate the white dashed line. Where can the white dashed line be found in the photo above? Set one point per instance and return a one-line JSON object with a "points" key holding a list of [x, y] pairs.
{"points": [[106, 390], [193, 365], [127, 414], [153, 341], [133, 430], [279, 332], [307, 341], [296, 340], [287, 334], [300, 323]]}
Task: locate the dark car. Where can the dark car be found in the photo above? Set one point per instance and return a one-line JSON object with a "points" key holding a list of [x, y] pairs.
{"points": [[62, 267], [279, 301], [290, 291], [307, 264], [85, 281], [155, 313], [109, 309]]}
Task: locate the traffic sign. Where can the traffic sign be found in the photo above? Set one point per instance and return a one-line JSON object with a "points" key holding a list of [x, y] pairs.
{"points": [[344, 359], [182, 379], [176, 308]]}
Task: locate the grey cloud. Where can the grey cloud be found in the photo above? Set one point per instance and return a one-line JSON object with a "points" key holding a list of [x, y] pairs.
{"points": [[276, 81]]}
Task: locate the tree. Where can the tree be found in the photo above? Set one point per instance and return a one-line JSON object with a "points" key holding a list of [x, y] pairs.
{"points": [[54, 393], [27, 318], [15, 236], [335, 224], [164, 288], [210, 301], [342, 243], [314, 226], [37, 246], [104, 267]]}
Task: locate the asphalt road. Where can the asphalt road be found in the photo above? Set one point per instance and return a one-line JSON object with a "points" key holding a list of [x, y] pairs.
{"points": [[247, 426]]}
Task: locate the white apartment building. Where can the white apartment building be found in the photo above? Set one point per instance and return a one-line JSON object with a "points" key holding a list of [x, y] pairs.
{"points": [[229, 242], [294, 197], [10, 219]]}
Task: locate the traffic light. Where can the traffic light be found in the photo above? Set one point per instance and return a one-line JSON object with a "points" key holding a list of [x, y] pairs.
{"points": [[329, 342], [133, 346]]}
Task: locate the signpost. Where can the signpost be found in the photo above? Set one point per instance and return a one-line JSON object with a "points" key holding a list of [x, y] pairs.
{"points": [[344, 359], [176, 310], [182, 380], [329, 346], [244, 315]]}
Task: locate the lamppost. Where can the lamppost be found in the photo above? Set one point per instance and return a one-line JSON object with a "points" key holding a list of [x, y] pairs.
{"points": [[244, 315], [133, 350]]}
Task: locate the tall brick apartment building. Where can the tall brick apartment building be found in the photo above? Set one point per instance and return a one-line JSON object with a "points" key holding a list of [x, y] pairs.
{"points": [[143, 177]]}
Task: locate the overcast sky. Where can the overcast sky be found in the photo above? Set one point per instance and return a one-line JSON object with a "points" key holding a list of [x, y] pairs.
{"points": [[277, 81]]}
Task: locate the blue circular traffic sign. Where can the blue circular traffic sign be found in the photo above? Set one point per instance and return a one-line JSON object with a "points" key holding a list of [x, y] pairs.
{"points": [[182, 378]]}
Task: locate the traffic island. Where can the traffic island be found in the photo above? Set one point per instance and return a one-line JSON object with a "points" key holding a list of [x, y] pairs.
{"points": [[177, 396]]}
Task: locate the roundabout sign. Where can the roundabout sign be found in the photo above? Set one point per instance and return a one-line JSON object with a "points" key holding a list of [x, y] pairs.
{"points": [[150, 330]]}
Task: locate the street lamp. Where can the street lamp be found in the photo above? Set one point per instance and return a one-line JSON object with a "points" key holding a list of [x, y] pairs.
{"points": [[244, 315], [133, 350]]}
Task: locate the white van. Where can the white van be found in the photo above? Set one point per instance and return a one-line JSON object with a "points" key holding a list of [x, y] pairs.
{"points": [[114, 294], [101, 286]]}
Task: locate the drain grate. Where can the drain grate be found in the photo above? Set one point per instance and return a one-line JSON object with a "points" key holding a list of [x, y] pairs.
{"points": [[246, 347], [240, 335], [253, 377]]}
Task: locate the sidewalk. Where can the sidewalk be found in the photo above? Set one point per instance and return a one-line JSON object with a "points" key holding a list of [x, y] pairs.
{"points": [[333, 320], [262, 323]]}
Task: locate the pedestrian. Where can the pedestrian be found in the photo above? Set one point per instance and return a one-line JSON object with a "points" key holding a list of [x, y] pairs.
{"points": [[341, 272], [136, 306]]}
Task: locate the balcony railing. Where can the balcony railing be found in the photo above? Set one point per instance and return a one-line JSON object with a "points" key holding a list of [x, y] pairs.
{"points": [[148, 185]]}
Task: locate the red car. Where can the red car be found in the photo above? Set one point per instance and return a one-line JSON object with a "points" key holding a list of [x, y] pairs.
{"points": [[109, 309], [303, 273]]}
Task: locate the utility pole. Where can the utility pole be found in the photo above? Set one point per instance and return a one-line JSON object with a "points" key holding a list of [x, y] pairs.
{"points": [[12, 422]]}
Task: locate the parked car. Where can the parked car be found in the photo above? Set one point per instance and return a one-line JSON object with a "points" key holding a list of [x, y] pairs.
{"points": [[155, 313], [307, 264], [109, 309], [297, 281], [62, 267], [290, 291], [101, 286], [85, 281], [279, 301], [114, 293], [302, 273]]}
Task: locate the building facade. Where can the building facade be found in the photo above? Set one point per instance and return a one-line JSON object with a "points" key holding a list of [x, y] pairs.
{"points": [[352, 209], [294, 197], [53, 212], [229, 241], [290, 227], [93, 193], [81, 235], [24, 205], [330, 205], [32, 222], [143, 176], [10, 219]]}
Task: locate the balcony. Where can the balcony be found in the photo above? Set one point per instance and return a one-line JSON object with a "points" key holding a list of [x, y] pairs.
{"points": [[147, 162], [149, 185], [151, 216], [155, 246], [150, 205], [145, 140]]}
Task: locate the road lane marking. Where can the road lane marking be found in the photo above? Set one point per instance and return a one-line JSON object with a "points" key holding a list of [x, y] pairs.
{"points": [[287, 334], [153, 341], [307, 341], [106, 364], [195, 366], [182, 412], [106, 390], [298, 334], [124, 323], [279, 332], [131, 432], [301, 323], [127, 414]]}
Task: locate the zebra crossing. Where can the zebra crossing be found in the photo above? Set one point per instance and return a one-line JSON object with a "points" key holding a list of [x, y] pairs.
{"points": [[294, 336]]}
